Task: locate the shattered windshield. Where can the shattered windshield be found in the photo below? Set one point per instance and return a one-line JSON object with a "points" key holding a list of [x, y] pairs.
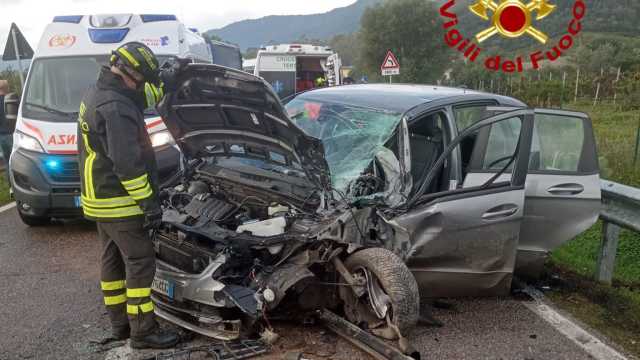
{"points": [[351, 135]]}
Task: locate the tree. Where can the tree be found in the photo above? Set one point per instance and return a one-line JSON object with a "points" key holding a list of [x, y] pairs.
{"points": [[14, 80], [212, 37], [413, 31], [348, 46], [251, 53]]}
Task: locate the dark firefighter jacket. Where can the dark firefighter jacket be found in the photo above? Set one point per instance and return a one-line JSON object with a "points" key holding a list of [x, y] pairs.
{"points": [[117, 162]]}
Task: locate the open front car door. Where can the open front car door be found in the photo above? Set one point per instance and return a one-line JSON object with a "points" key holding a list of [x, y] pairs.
{"points": [[464, 241]]}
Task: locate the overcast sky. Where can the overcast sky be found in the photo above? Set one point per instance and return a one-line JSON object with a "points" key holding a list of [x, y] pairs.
{"points": [[32, 16]]}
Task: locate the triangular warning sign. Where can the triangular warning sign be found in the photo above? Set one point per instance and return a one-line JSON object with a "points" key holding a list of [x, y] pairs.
{"points": [[390, 62], [25, 51]]}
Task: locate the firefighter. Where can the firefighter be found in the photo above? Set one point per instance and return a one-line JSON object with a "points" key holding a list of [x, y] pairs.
{"points": [[321, 82], [119, 190]]}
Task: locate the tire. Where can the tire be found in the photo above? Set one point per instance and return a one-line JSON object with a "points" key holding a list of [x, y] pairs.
{"points": [[34, 221], [395, 279]]}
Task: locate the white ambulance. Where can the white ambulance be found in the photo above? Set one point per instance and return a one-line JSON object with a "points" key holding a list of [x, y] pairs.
{"points": [[43, 164], [293, 68]]}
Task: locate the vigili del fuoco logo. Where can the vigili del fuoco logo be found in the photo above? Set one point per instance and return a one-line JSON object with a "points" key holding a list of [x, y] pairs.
{"points": [[511, 19]]}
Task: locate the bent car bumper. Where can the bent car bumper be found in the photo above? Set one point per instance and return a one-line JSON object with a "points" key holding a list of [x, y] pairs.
{"points": [[193, 301]]}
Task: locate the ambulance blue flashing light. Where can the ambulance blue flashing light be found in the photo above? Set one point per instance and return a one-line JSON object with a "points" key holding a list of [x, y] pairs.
{"points": [[157, 17], [108, 36], [74, 19]]}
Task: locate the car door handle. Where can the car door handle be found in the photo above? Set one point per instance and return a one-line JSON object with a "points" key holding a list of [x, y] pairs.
{"points": [[500, 212], [566, 189]]}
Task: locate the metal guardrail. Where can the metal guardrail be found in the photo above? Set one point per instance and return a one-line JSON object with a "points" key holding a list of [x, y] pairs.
{"points": [[620, 209]]}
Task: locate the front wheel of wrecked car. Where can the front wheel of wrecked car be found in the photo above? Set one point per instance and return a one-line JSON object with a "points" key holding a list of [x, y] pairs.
{"points": [[389, 293]]}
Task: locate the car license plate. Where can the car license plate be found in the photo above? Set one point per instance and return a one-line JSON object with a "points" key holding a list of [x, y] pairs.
{"points": [[164, 287], [76, 201]]}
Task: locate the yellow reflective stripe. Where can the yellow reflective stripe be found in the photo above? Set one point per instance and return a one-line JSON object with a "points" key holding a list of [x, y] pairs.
{"points": [[129, 57], [145, 308], [143, 193], [136, 183], [112, 213], [115, 300], [150, 94], [83, 109], [138, 293], [112, 285], [108, 203], [88, 169], [148, 57]]}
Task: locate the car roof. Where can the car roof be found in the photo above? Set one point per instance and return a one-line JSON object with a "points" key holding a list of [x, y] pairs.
{"points": [[399, 98]]}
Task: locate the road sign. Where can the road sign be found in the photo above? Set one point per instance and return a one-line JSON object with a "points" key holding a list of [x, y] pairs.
{"points": [[23, 48], [390, 65], [17, 48]]}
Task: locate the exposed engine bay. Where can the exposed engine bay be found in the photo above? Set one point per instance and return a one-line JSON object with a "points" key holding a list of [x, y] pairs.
{"points": [[247, 252]]}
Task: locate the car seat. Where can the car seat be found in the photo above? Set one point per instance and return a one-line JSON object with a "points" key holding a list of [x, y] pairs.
{"points": [[426, 147]]}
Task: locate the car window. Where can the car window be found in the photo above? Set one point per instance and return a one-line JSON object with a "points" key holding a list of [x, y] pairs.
{"points": [[493, 145], [502, 144], [351, 135], [467, 115], [58, 84], [557, 143]]}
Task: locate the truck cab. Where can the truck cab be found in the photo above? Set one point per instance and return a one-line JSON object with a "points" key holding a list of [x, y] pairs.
{"points": [[43, 165], [293, 68]]}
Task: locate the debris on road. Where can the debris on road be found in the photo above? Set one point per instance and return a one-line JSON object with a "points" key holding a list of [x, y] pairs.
{"points": [[243, 349], [363, 340]]}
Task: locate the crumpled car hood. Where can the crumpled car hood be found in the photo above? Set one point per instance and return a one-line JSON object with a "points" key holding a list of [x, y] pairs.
{"points": [[215, 111]]}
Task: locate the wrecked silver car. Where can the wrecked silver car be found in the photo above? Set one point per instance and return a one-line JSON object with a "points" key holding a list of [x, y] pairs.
{"points": [[321, 204]]}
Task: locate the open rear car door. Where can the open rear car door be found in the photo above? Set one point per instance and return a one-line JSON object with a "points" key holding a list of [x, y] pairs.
{"points": [[562, 187]]}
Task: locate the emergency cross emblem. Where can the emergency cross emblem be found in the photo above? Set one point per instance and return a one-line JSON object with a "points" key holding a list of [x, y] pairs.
{"points": [[512, 18]]}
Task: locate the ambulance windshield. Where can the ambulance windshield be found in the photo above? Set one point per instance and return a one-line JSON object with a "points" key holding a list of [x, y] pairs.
{"points": [[56, 86]]}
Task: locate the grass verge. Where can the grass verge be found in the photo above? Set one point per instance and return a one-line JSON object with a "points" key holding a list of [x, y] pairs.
{"points": [[5, 196], [614, 311]]}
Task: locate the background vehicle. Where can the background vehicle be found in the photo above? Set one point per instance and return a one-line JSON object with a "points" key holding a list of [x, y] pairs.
{"points": [[44, 169], [292, 68]]}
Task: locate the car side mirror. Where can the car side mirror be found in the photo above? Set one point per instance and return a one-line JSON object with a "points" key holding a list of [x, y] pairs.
{"points": [[11, 106]]}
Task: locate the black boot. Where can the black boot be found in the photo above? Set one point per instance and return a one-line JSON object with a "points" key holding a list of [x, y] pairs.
{"points": [[121, 332], [157, 339]]}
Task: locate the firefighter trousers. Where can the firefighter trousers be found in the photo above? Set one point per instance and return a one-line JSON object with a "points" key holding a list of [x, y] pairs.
{"points": [[128, 268]]}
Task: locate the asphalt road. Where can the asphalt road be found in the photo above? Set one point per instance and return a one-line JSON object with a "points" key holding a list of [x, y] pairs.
{"points": [[51, 308]]}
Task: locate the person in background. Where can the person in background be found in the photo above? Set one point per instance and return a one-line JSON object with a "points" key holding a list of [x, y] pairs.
{"points": [[6, 130], [321, 82]]}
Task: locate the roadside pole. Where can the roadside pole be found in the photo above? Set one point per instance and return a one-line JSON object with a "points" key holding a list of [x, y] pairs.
{"points": [[635, 156], [575, 98], [564, 83], [15, 47]]}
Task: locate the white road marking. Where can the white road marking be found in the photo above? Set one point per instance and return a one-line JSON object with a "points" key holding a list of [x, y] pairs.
{"points": [[575, 333], [8, 207]]}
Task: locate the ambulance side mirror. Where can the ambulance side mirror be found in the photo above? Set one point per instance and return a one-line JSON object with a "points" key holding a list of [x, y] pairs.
{"points": [[11, 106]]}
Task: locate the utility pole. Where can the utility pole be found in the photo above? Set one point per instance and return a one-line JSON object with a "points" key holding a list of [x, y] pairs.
{"points": [[564, 83], [575, 99]]}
